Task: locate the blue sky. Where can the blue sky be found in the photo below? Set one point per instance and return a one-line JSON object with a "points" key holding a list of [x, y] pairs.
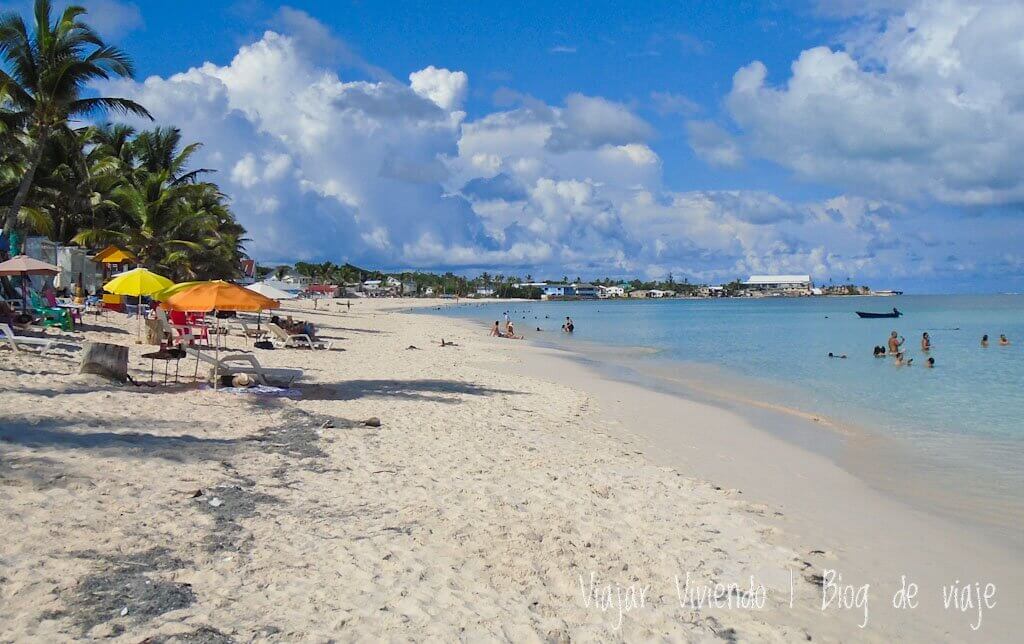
{"points": [[873, 140]]}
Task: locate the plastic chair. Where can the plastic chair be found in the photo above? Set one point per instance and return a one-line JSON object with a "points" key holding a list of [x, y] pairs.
{"points": [[50, 316]]}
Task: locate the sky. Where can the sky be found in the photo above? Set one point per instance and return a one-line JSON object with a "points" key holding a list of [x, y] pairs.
{"points": [[877, 141]]}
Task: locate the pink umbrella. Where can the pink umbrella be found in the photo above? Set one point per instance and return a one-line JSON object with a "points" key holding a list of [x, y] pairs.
{"points": [[24, 265]]}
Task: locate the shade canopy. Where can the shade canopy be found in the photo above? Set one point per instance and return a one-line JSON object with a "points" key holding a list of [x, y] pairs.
{"points": [[272, 292], [25, 265], [219, 296], [161, 296], [137, 282], [113, 255]]}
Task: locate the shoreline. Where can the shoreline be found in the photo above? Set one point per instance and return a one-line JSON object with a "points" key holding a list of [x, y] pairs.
{"points": [[860, 448], [501, 479], [906, 521]]}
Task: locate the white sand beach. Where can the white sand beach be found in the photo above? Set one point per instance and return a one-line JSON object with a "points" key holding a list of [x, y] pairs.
{"points": [[506, 495]]}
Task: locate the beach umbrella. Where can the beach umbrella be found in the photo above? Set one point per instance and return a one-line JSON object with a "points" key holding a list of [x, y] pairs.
{"points": [[137, 283], [211, 297], [25, 266], [161, 296], [267, 290]]}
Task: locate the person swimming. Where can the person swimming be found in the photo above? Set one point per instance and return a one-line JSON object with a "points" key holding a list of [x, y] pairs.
{"points": [[926, 342], [930, 363], [832, 355], [902, 361], [878, 352], [895, 342], [984, 341], [1003, 341]]}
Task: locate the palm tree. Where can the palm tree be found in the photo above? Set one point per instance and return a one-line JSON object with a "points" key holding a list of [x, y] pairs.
{"points": [[45, 74], [158, 222]]}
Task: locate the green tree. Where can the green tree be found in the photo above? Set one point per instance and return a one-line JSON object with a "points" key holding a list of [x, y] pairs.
{"points": [[45, 74]]}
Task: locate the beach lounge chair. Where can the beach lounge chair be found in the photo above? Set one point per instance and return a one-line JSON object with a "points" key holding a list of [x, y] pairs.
{"points": [[232, 364], [246, 328], [295, 340], [50, 315], [7, 336]]}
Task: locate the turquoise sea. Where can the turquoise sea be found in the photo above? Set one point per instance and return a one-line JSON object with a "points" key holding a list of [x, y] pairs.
{"points": [[961, 423]]}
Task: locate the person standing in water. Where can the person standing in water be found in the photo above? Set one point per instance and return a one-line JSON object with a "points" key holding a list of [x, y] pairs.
{"points": [[895, 342], [1003, 341], [984, 341], [568, 327], [926, 342]]}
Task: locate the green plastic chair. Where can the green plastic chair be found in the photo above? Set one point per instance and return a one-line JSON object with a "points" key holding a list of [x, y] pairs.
{"points": [[50, 315]]}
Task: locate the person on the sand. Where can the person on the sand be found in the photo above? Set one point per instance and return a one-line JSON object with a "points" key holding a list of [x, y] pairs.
{"points": [[496, 330]]}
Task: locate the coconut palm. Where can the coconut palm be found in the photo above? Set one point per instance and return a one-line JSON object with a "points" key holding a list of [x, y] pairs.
{"points": [[46, 71]]}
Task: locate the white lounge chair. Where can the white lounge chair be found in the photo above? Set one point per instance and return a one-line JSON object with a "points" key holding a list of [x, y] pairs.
{"points": [[295, 340], [13, 340], [232, 364]]}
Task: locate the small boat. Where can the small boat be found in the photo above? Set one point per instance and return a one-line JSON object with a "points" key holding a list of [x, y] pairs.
{"points": [[894, 314]]}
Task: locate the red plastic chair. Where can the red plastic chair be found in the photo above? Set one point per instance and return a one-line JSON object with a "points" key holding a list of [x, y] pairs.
{"points": [[199, 331]]}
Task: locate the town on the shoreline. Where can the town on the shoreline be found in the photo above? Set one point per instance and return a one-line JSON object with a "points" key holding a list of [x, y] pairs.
{"points": [[328, 280]]}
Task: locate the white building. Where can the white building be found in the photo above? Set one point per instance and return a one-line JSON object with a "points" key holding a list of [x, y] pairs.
{"points": [[780, 284], [605, 292]]}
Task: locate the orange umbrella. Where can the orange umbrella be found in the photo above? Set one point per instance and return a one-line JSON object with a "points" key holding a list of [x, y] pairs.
{"points": [[219, 296]]}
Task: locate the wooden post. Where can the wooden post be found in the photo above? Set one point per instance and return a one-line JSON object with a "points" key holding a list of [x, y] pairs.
{"points": [[107, 360]]}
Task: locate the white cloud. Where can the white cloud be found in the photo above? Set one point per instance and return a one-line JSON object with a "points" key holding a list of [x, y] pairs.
{"points": [[393, 174], [713, 144], [930, 107], [442, 86], [112, 18]]}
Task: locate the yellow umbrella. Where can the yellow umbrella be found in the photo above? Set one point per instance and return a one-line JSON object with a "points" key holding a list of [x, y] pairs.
{"points": [[136, 283]]}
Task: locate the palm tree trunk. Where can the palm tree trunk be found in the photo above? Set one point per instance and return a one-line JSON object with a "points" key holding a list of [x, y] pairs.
{"points": [[26, 184]]}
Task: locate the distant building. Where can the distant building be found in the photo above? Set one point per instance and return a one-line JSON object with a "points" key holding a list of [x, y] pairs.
{"points": [[711, 291], [248, 268], [605, 292], [568, 291], [485, 291], [639, 293], [659, 293], [293, 277], [779, 284], [539, 285], [323, 290]]}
